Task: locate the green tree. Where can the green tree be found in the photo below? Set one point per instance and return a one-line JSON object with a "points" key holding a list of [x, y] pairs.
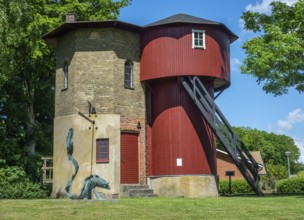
{"points": [[272, 146], [276, 56], [27, 71]]}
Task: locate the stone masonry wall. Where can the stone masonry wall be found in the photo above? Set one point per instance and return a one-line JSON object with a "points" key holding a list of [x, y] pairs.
{"points": [[96, 59]]}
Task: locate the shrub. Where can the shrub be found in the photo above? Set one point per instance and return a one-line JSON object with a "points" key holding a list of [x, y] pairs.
{"points": [[237, 187], [15, 185], [301, 174], [292, 185]]}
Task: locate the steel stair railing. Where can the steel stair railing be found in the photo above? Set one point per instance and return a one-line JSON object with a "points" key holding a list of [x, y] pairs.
{"points": [[223, 131]]}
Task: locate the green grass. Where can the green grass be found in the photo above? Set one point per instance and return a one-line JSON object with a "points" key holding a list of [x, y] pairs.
{"points": [[268, 207]]}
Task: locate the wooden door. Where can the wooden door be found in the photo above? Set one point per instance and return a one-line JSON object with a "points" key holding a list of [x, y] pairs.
{"points": [[129, 159]]}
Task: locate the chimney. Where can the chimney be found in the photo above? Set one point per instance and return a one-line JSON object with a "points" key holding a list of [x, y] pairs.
{"points": [[70, 17]]}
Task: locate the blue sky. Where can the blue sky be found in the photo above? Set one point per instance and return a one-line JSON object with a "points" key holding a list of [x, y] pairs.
{"points": [[243, 103]]}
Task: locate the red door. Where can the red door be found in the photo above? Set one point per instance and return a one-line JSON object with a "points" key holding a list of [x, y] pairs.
{"points": [[129, 159]]}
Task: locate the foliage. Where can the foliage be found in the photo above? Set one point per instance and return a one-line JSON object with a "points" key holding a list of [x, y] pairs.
{"points": [[27, 73], [272, 146], [275, 173], [300, 174], [276, 56], [237, 187], [292, 185], [15, 185]]}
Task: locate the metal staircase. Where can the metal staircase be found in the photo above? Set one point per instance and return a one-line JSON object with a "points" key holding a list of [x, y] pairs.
{"points": [[223, 131]]}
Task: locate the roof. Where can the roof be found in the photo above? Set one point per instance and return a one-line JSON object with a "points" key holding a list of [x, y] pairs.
{"points": [[175, 19], [68, 26], [182, 18], [188, 19]]}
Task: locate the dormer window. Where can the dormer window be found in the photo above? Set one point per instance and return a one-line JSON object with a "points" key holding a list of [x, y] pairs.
{"points": [[65, 75], [198, 39], [128, 79]]}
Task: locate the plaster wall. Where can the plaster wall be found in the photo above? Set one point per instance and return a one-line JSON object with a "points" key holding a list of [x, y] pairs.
{"points": [[106, 126]]}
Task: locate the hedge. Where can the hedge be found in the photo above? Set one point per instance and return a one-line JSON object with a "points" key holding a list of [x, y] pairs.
{"points": [[292, 185], [237, 187]]}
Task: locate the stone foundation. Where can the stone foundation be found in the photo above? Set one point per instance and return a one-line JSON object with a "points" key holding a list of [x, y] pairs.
{"points": [[185, 186]]}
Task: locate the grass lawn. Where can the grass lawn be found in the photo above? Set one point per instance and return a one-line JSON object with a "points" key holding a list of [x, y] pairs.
{"points": [[268, 207]]}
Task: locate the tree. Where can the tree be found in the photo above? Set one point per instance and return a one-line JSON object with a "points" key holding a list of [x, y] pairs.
{"points": [[272, 146], [27, 71], [276, 56]]}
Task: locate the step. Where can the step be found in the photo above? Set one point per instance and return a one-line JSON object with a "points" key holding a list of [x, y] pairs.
{"points": [[135, 190], [125, 188], [142, 193]]}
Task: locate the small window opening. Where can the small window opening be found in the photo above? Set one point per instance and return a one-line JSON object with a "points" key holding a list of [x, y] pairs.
{"points": [[128, 79], [198, 39], [102, 150], [65, 75]]}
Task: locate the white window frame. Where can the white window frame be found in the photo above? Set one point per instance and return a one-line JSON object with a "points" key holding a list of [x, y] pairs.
{"points": [[128, 75], [194, 45]]}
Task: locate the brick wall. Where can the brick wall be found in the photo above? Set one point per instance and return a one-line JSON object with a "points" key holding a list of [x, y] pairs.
{"points": [[225, 163]]}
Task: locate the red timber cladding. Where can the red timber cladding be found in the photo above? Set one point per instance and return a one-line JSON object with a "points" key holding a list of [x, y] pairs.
{"points": [[167, 51], [129, 159], [177, 130]]}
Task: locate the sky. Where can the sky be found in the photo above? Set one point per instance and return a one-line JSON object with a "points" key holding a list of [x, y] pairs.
{"points": [[244, 103]]}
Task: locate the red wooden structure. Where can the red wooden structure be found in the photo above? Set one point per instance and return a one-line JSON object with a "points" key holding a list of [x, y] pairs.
{"points": [[180, 142]]}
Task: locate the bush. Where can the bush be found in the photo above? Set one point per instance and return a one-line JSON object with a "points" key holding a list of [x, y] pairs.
{"points": [[237, 187], [292, 185], [301, 174], [15, 185]]}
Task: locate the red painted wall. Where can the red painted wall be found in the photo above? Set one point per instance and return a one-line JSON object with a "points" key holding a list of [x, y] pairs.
{"points": [[167, 51], [177, 130]]}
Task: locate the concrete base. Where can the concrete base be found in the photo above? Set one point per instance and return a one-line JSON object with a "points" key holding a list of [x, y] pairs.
{"points": [[185, 186]]}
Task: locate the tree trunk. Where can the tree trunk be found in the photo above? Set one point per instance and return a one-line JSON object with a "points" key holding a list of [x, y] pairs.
{"points": [[30, 142]]}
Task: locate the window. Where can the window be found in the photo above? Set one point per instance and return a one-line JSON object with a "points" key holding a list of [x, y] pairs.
{"points": [[198, 39], [65, 75], [102, 151], [128, 74]]}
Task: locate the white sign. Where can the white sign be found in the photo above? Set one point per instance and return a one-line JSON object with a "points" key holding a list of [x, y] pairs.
{"points": [[179, 162]]}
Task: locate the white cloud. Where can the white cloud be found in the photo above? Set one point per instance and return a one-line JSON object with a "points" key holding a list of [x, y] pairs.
{"points": [[287, 127], [235, 64], [264, 6], [294, 117], [300, 145]]}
